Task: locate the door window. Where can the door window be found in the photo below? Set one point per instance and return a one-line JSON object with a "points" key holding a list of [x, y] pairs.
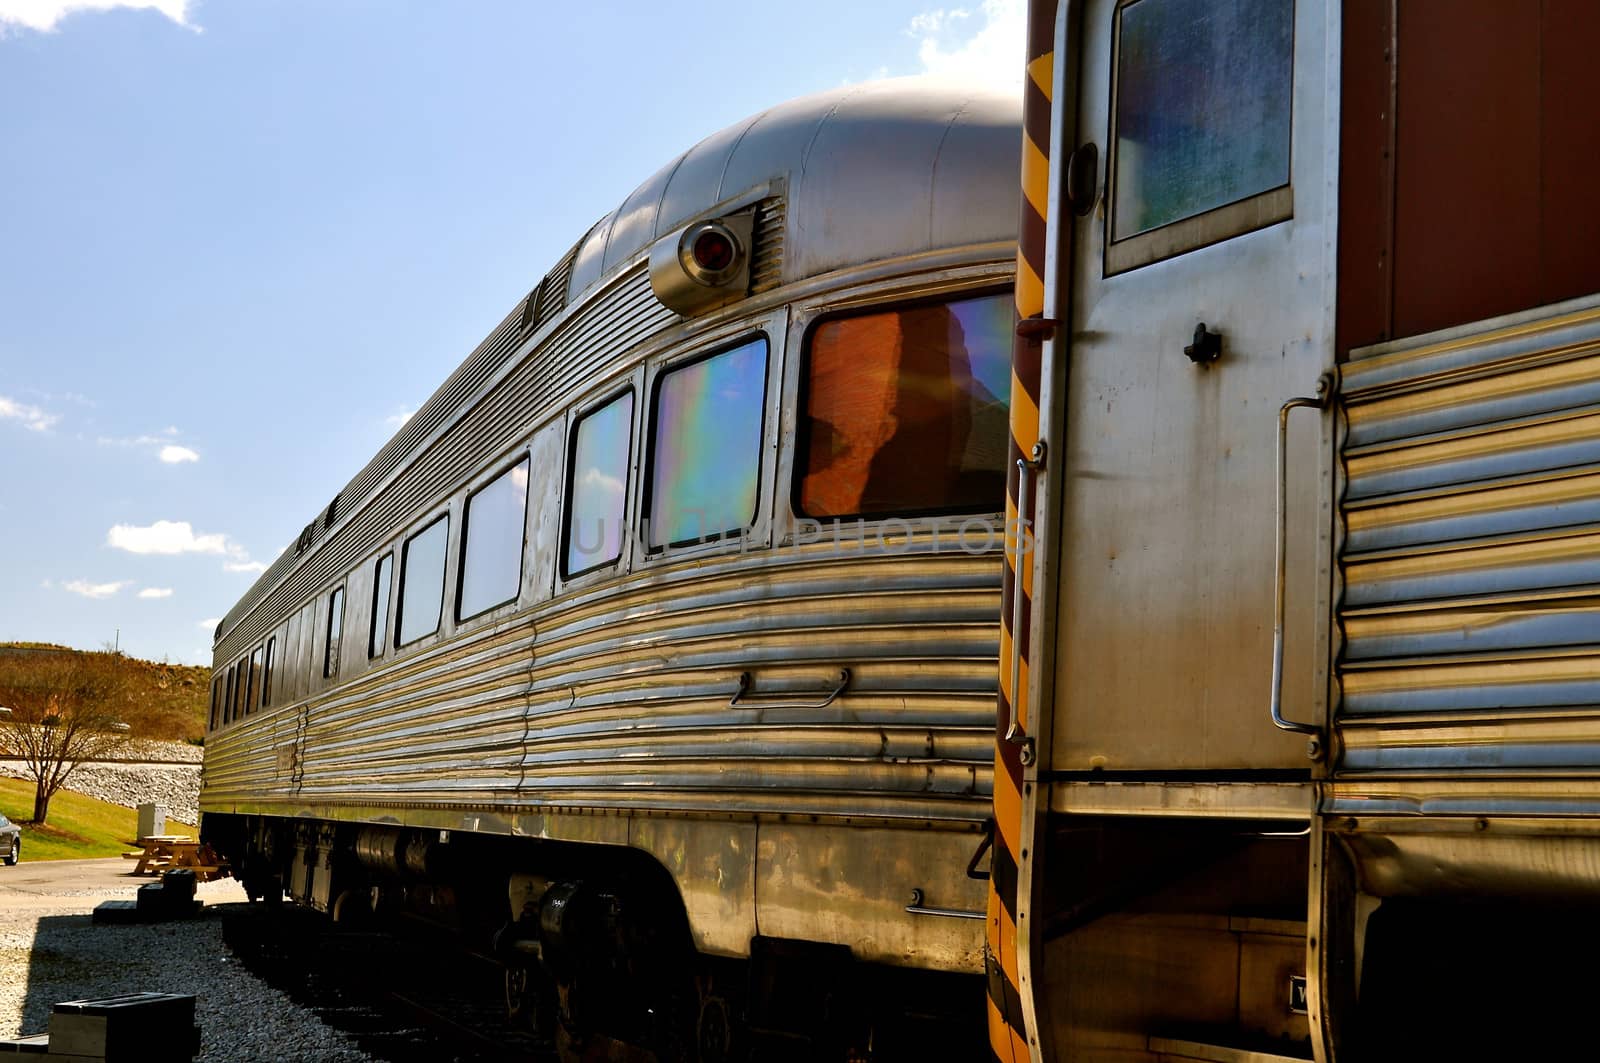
{"points": [[1200, 124]]}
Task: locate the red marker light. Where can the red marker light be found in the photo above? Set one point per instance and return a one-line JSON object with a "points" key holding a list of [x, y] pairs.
{"points": [[713, 251]]}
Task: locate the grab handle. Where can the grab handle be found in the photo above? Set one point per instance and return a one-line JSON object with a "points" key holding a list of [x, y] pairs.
{"points": [[744, 688], [1320, 401], [1026, 467]]}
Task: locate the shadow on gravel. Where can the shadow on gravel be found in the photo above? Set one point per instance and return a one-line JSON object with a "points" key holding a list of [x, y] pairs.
{"points": [[71, 959], [400, 997]]}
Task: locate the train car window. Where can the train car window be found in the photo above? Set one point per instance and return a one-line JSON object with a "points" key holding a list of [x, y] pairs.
{"points": [[240, 685], [216, 703], [1200, 122], [597, 487], [380, 605], [492, 541], [254, 690], [705, 455], [422, 582], [330, 649], [227, 701], [906, 411], [266, 672]]}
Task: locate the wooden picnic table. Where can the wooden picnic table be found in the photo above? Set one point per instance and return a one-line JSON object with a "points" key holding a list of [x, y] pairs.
{"points": [[164, 852]]}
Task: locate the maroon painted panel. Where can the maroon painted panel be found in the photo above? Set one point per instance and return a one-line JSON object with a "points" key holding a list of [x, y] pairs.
{"points": [[1570, 222], [1467, 168], [1366, 178]]}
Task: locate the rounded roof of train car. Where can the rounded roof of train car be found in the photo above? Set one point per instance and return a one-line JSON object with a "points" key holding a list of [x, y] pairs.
{"points": [[872, 171], [869, 172]]}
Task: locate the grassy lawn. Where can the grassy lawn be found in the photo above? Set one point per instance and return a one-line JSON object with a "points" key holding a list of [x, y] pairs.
{"points": [[80, 827]]}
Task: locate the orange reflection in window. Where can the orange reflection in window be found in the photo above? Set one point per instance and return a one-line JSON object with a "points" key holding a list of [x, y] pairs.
{"points": [[906, 411]]}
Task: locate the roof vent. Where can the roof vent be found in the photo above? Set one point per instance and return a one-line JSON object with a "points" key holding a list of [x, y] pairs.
{"points": [[766, 260], [550, 298]]}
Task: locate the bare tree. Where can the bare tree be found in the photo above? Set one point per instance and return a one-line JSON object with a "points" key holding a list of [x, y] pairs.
{"points": [[65, 708]]}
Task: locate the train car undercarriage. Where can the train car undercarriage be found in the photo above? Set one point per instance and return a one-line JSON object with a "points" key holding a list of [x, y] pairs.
{"points": [[596, 946]]}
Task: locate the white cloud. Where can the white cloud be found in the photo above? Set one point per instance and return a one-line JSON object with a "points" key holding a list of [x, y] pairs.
{"points": [[94, 590], [156, 592], [32, 417], [174, 537], [611, 485], [400, 417], [43, 15], [210, 624], [164, 443], [987, 46], [169, 537]]}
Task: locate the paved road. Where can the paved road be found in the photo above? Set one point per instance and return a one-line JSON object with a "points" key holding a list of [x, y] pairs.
{"points": [[31, 882], [64, 878]]}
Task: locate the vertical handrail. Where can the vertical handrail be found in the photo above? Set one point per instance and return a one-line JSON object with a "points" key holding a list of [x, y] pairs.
{"points": [[1026, 467], [1320, 401]]}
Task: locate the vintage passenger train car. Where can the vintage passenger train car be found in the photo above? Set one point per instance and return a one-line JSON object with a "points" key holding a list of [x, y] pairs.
{"points": [[1299, 739], [661, 642]]}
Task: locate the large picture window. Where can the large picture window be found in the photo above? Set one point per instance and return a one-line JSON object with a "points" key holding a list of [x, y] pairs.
{"points": [[422, 582], [905, 411], [492, 540], [705, 456], [597, 487], [1201, 124]]}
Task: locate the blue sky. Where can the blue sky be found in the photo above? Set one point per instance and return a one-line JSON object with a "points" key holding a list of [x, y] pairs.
{"points": [[241, 241]]}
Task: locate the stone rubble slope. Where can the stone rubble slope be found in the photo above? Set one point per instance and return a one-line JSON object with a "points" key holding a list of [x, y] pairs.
{"points": [[176, 785]]}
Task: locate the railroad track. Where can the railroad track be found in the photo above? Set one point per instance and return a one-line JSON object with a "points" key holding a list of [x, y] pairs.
{"points": [[398, 992]]}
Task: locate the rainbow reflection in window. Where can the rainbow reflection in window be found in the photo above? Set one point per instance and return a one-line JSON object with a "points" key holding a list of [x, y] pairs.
{"points": [[906, 411], [597, 493], [706, 460]]}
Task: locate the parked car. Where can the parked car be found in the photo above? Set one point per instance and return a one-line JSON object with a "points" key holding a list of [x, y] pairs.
{"points": [[10, 841]]}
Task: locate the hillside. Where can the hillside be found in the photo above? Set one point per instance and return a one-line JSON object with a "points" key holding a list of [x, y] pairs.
{"points": [[156, 700]]}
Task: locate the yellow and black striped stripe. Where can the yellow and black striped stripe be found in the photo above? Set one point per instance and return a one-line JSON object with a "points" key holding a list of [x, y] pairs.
{"points": [[1007, 1029]]}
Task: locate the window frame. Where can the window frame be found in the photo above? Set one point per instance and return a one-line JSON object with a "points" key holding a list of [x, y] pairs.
{"points": [[1217, 225], [253, 661], [378, 640], [522, 458], [579, 415], [399, 604], [648, 440], [802, 392], [266, 671], [332, 651], [239, 669]]}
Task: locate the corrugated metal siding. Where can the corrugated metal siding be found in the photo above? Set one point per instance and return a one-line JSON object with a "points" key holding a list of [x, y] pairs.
{"points": [[1471, 560], [619, 697], [584, 349]]}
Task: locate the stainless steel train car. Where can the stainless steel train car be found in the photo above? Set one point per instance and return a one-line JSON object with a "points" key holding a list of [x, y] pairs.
{"points": [[661, 642], [1299, 735]]}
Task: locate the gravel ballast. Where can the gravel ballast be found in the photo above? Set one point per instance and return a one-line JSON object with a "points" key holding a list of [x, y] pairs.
{"points": [[51, 952]]}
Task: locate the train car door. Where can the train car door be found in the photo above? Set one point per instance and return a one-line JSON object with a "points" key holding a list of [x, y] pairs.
{"points": [[1160, 851], [1196, 187]]}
